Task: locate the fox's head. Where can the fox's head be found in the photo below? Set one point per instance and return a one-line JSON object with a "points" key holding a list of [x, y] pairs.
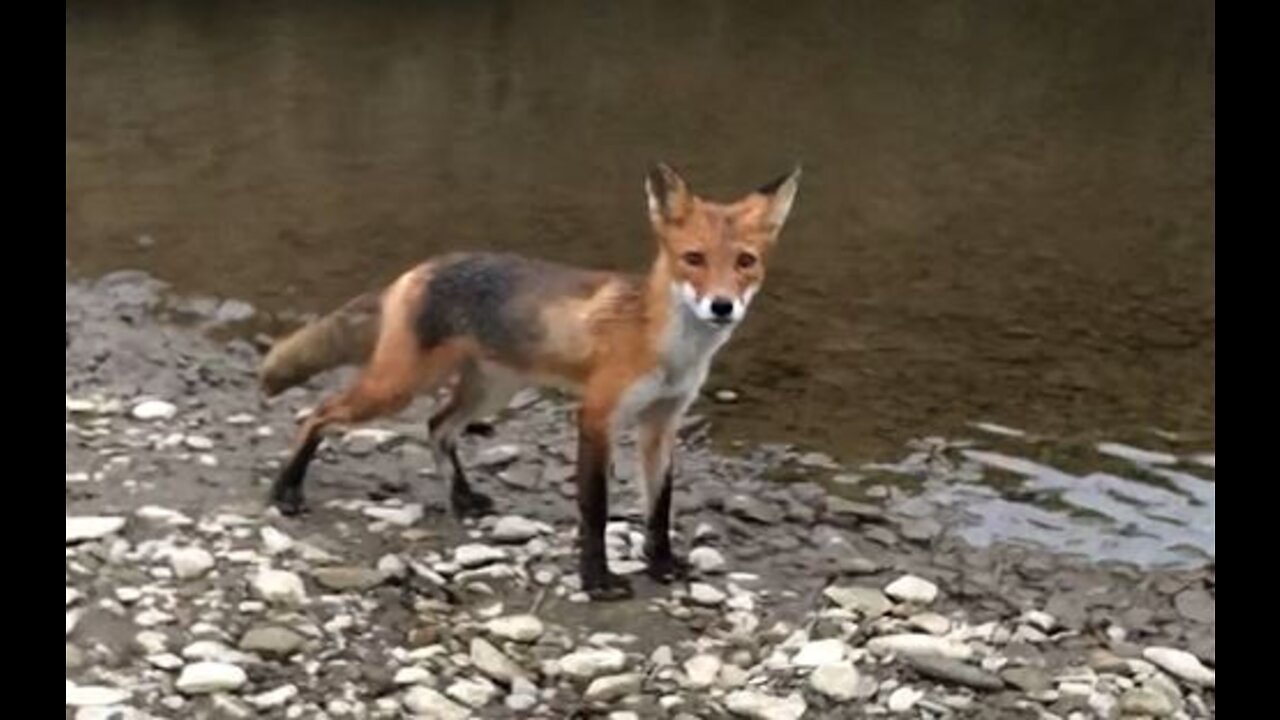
{"points": [[715, 253]]}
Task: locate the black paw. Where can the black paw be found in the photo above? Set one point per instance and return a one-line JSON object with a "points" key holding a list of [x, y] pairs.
{"points": [[471, 504], [480, 429], [667, 567], [289, 501], [607, 587]]}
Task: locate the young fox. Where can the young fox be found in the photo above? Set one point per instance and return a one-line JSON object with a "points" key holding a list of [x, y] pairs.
{"points": [[635, 350]]}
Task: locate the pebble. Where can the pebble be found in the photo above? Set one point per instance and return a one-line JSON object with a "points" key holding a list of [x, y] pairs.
{"points": [[210, 677], [1182, 664], [92, 527], [190, 562], [912, 589], [589, 663]]}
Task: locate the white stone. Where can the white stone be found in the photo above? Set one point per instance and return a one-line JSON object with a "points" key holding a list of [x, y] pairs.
{"points": [[493, 662], [704, 594], [198, 442], [94, 695], [930, 622], [521, 628], [210, 677], [838, 681], [701, 669], [274, 541], [589, 663], [912, 589], [515, 529], [190, 562], [413, 675], [919, 644], [1181, 664], [473, 693], [820, 652], [429, 704], [274, 698], [403, 515], [280, 587], [162, 516], [148, 410], [707, 559], [476, 554], [904, 698], [1136, 455], [762, 706], [612, 687], [92, 527]]}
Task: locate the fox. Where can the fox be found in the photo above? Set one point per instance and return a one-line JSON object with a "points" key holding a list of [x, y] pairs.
{"points": [[633, 350]]}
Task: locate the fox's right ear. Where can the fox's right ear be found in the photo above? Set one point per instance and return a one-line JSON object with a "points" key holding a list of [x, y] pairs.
{"points": [[668, 194]]}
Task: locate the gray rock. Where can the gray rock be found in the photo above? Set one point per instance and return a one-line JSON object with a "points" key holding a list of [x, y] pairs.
{"points": [[612, 687], [1196, 605], [1181, 664], [842, 682], [749, 508], [474, 555], [869, 602], [515, 529], [1027, 679], [954, 671], [1146, 701], [347, 579], [914, 644], [839, 506], [762, 706], [271, 640], [493, 662]]}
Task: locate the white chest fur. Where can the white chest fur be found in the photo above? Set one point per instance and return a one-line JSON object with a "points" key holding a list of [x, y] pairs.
{"points": [[685, 357]]}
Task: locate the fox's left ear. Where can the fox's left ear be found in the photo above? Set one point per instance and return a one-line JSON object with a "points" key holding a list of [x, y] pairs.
{"points": [[780, 194]]}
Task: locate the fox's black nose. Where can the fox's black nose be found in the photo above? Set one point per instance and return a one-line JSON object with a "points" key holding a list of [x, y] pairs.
{"points": [[721, 307]]}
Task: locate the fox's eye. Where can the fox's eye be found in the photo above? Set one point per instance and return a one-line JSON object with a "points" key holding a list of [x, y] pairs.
{"points": [[694, 259], [746, 260]]}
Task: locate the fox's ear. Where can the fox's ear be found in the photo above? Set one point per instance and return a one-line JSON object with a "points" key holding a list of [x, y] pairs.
{"points": [[780, 194], [669, 198]]}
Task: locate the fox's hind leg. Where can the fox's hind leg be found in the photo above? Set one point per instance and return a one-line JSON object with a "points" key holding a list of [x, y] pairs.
{"points": [[384, 387], [480, 391]]}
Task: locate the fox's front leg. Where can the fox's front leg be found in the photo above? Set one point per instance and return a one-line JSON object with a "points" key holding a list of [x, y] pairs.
{"points": [[657, 436], [594, 444]]}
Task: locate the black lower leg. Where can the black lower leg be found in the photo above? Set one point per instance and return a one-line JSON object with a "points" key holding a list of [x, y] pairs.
{"points": [[593, 512], [464, 501], [663, 564], [286, 492]]}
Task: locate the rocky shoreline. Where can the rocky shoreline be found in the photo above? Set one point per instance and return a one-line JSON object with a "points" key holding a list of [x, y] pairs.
{"points": [[186, 597]]}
